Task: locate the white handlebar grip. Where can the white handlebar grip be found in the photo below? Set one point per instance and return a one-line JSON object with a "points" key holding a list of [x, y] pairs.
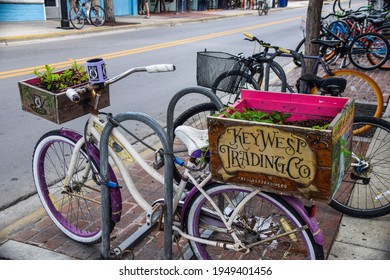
{"points": [[160, 68], [72, 95]]}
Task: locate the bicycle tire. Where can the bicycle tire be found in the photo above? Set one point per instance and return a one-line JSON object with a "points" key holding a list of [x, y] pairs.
{"points": [[385, 32], [274, 76], [300, 49], [97, 15], [357, 83], [342, 10], [264, 215], [232, 82], [369, 51], [365, 192], [76, 211], [76, 18]]}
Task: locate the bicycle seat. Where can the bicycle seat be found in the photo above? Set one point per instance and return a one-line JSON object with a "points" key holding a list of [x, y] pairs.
{"points": [[380, 15], [376, 21], [332, 86], [358, 17], [194, 139]]}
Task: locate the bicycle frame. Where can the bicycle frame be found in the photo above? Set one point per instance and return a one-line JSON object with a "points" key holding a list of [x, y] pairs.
{"points": [[93, 134]]}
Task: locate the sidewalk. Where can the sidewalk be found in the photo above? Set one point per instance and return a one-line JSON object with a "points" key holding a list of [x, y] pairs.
{"points": [[30, 30], [35, 237]]}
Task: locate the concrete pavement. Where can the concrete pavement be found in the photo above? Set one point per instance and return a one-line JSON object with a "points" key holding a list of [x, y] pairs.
{"points": [[31, 235]]}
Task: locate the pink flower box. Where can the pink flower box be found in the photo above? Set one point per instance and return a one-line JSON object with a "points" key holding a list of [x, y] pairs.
{"points": [[285, 159]]}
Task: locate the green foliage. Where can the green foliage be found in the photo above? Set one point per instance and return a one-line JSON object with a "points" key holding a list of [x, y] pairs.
{"points": [[321, 127], [274, 117], [255, 115], [55, 82], [344, 150]]}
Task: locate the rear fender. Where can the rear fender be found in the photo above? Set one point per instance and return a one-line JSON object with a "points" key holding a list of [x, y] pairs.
{"points": [[310, 221]]}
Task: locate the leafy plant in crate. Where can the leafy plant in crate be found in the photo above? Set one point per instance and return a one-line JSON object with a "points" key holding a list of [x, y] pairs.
{"points": [[59, 81], [45, 95], [273, 117]]}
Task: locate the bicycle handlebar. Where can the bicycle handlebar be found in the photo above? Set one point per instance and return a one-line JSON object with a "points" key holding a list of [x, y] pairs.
{"points": [[74, 94], [157, 68], [160, 68], [279, 50]]}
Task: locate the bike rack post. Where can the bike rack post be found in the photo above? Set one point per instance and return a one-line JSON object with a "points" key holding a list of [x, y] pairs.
{"points": [[168, 178], [170, 114]]}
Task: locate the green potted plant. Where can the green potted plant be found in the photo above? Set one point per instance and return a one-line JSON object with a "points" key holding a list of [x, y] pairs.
{"points": [[60, 81], [45, 94]]}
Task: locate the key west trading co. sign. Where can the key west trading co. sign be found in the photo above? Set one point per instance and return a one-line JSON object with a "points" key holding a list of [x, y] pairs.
{"points": [[266, 150]]}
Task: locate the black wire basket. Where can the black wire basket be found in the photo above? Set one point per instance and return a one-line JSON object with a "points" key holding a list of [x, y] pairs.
{"points": [[210, 65]]}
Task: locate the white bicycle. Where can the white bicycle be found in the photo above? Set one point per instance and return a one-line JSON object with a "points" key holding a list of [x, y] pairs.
{"points": [[220, 221]]}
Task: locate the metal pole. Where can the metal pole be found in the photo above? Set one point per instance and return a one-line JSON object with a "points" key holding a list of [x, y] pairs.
{"points": [[171, 107], [64, 16], [168, 176]]}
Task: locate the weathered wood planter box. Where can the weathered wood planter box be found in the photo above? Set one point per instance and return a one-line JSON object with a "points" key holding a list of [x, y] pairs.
{"points": [[286, 159], [55, 107]]}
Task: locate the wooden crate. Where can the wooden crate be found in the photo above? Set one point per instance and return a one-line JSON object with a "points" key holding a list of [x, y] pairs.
{"points": [[55, 107], [284, 159]]}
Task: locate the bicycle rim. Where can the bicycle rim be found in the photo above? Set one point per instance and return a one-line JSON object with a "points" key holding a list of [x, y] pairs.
{"points": [[76, 18], [97, 16], [75, 209], [263, 217], [365, 191], [363, 89]]}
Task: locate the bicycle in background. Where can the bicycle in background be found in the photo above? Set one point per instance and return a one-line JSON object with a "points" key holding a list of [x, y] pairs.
{"points": [[86, 12], [227, 75], [262, 7]]}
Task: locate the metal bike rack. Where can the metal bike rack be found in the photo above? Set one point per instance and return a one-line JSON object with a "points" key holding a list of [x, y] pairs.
{"points": [[168, 183], [167, 142], [170, 115]]}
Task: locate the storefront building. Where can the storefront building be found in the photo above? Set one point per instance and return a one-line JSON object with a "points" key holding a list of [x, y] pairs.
{"points": [[30, 10]]}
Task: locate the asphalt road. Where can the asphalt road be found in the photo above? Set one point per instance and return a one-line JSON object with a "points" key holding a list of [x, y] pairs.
{"points": [[141, 92]]}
